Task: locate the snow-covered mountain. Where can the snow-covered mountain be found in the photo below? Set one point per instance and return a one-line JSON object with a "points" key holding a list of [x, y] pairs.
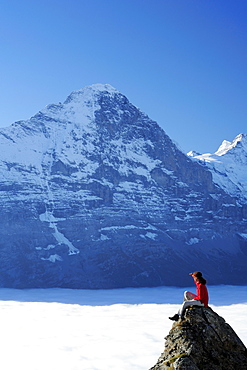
{"points": [[94, 194], [228, 166]]}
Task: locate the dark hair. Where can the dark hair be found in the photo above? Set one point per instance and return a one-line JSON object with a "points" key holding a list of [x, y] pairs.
{"points": [[199, 277], [202, 280]]}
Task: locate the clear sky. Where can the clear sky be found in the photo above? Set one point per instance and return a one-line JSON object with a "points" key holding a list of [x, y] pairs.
{"points": [[183, 62]]}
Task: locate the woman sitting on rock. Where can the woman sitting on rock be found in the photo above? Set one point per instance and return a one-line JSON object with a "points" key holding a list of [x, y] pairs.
{"points": [[191, 299]]}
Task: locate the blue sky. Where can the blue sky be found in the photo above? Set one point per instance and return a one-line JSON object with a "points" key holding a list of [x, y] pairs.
{"points": [[183, 62]]}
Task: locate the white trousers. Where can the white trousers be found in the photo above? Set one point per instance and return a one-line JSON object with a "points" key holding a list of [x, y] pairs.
{"points": [[188, 301]]}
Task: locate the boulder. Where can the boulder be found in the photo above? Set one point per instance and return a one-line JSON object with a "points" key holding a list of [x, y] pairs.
{"points": [[202, 341]]}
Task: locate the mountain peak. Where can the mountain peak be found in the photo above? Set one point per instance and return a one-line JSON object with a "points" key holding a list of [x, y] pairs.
{"points": [[80, 104], [227, 145], [101, 197], [101, 87], [228, 166], [89, 92]]}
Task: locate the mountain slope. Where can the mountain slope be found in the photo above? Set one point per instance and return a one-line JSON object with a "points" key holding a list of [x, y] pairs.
{"points": [[94, 194], [228, 166]]}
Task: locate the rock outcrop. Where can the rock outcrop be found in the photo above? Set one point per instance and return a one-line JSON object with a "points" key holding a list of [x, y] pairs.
{"points": [[202, 341]]}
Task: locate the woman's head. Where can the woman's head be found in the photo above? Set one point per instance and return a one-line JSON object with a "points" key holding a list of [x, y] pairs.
{"points": [[198, 277]]}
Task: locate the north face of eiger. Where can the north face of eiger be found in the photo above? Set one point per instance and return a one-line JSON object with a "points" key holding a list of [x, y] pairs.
{"points": [[94, 194]]}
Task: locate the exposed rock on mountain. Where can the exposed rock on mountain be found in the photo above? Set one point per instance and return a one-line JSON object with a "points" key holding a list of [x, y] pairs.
{"points": [[202, 341], [94, 194]]}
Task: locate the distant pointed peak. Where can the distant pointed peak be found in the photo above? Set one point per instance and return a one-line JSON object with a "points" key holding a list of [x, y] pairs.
{"points": [[240, 137], [224, 147], [227, 145]]}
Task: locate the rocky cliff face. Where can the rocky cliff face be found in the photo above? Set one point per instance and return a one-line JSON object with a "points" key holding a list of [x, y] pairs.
{"points": [[202, 341], [94, 194]]}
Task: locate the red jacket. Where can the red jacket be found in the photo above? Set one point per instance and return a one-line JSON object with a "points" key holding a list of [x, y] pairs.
{"points": [[201, 293]]}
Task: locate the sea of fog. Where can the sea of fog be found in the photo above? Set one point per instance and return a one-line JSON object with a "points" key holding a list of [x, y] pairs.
{"points": [[66, 329]]}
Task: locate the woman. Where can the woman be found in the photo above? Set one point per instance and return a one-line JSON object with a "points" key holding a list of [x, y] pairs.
{"points": [[191, 299]]}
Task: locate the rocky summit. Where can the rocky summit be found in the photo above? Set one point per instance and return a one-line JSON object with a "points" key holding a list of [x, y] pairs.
{"points": [[94, 194], [202, 341]]}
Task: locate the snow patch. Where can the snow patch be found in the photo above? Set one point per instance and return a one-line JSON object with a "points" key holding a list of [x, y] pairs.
{"points": [[115, 228], [193, 241], [60, 237], [244, 236], [104, 237], [151, 235], [50, 246], [53, 258]]}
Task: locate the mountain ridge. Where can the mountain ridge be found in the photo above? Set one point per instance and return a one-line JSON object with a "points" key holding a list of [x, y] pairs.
{"points": [[96, 195], [228, 166]]}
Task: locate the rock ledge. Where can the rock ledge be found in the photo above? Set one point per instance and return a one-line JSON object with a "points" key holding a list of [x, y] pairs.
{"points": [[202, 341]]}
